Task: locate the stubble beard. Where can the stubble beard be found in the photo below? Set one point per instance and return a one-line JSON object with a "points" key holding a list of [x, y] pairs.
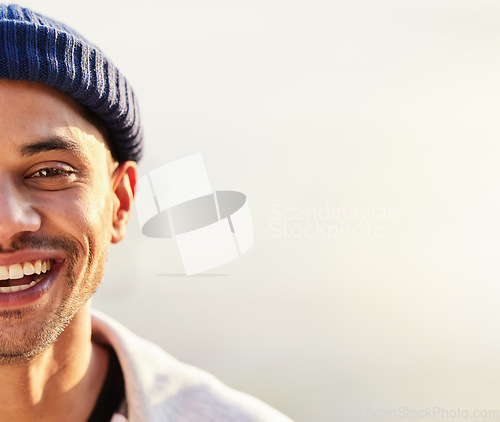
{"points": [[23, 338]]}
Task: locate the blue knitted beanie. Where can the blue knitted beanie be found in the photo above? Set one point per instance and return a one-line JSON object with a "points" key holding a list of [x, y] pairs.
{"points": [[36, 48]]}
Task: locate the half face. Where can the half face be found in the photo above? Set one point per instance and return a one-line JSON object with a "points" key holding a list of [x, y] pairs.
{"points": [[60, 207]]}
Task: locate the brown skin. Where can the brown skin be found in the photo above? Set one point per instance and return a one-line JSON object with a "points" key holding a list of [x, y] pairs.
{"points": [[76, 201]]}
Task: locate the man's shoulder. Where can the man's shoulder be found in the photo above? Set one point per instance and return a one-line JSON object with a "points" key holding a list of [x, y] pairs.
{"points": [[159, 387]]}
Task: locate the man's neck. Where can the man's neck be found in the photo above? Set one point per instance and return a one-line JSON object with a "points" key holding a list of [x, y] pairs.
{"points": [[61, 384]]}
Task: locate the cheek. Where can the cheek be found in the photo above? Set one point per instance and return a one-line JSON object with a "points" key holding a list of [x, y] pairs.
{"points": [[81, 214], [98, 211]]}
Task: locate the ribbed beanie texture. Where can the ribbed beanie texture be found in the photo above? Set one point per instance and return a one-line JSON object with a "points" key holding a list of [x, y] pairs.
{"points": [[36, 48]]}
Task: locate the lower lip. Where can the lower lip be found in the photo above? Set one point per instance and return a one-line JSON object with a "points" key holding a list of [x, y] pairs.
{"points": [[28, 296]]}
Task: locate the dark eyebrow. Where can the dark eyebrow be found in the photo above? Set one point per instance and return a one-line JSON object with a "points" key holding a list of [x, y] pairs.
{"points": [[51, 144]]}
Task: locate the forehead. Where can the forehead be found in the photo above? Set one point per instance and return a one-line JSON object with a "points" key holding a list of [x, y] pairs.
{"points": [[31, 112]]}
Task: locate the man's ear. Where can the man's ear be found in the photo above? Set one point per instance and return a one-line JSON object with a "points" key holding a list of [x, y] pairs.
{"points": [[124, 179]]}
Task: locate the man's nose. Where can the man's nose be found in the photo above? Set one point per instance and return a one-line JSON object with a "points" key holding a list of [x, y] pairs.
{"points": [[16, 212]]}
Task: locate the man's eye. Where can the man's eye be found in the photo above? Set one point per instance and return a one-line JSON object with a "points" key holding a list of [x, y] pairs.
{"points": [[57, 177], [51, 172]]}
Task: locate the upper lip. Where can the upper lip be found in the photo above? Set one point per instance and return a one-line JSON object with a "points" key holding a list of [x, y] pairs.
{"points": [[31, 255]]}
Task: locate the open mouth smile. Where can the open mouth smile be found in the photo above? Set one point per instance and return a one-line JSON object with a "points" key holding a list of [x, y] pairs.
{"points": [[22, 276]]}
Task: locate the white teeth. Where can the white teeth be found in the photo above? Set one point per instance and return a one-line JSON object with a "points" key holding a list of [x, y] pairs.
{"points": [[16, 288], [15, 271], [38, 266], [28, 268]]}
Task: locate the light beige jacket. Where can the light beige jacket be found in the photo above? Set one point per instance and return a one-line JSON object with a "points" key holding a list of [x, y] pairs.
{"points": [[159, 388]]}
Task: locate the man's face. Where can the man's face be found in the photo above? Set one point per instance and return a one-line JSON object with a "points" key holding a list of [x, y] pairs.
{"points": [[58, 213]]}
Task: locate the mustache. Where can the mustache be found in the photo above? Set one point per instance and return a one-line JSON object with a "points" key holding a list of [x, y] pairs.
{"points": [[42, 242]]}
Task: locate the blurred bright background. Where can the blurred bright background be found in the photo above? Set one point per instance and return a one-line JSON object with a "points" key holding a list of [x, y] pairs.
{"points": [[374, 122]]}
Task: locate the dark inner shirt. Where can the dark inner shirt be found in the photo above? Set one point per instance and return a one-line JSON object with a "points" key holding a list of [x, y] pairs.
{"points": [[112, 393]]}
